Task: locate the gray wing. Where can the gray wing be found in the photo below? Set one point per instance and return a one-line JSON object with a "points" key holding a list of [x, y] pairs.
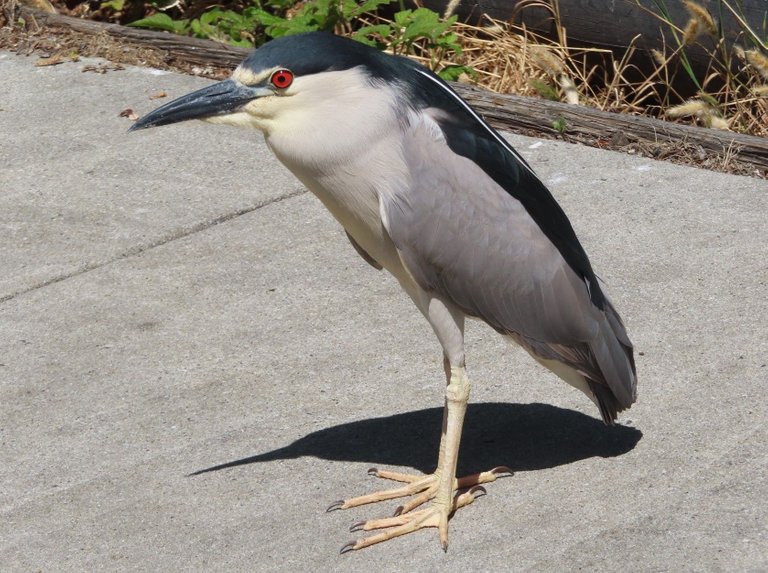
{"points": [[467, 239]]}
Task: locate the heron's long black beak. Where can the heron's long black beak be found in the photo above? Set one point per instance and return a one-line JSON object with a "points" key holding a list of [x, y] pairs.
{"points": [[217, 99]]}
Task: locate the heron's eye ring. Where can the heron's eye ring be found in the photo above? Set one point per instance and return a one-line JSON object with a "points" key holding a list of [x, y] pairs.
{"points": [[281, 79]]}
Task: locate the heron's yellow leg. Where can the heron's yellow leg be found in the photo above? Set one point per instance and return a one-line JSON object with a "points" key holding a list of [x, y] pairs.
{"points": [[441, 489]]}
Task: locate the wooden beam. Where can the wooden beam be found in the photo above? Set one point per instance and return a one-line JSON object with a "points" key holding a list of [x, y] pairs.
{"points": [[596, 127], [192, 50]]}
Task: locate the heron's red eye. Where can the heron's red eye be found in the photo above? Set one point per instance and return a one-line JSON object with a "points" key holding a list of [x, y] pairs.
{"points": [[281, 79]]}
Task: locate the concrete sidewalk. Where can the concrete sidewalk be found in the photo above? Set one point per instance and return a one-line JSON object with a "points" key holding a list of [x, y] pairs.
{"points": [[173, 301]]}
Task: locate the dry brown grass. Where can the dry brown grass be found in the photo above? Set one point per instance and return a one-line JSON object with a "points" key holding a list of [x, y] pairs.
{"points": [[733, 91]]}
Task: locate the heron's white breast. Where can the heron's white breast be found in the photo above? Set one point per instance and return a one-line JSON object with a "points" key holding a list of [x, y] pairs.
{"points": [[340, 136]]}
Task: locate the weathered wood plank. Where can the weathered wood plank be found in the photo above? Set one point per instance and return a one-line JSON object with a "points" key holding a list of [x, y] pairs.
{"points": [[584, 123], [509, 112], [192, 50]]}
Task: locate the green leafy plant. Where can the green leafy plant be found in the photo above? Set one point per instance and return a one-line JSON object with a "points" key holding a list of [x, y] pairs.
{"points": [[113, 5], [326, 15], [423, 25], [162, 21], [419, 32], [544, 89], [560, 125], [255, 23]]}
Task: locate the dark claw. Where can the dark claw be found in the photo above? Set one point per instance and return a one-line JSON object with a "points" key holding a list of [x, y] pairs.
{"points": [[357, 526], [477, 491], [347, 547], [502, 471], [373, 471], [398, 510], [335, 505]]}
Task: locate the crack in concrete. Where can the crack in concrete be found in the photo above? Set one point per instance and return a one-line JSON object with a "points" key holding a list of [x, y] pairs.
{"points": [[160, 241]]}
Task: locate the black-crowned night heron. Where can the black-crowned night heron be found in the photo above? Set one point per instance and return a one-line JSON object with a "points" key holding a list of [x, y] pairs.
{"points": [[425, 189]]}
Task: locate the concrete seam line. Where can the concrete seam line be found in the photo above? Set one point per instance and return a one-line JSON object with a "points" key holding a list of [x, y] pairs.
{"points": [[137, 250]]}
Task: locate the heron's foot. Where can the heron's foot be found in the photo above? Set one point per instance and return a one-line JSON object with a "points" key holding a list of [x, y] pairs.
{"points": [[407, 518]]}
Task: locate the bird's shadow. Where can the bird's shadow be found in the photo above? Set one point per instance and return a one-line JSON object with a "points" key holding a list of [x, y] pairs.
{"points": [[520, 436]]}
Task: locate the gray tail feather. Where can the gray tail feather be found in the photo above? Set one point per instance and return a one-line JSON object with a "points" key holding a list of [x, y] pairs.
{"points": [[606, 401], [614, 354]]}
